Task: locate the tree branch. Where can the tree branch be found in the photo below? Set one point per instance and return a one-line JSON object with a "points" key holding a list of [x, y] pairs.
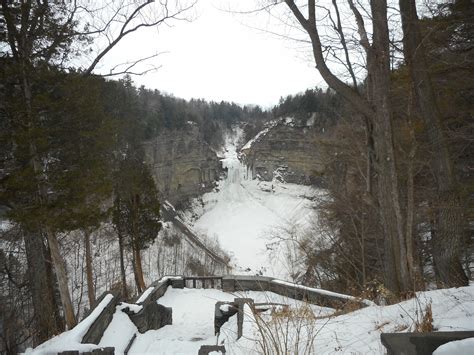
{"points": [[350, 94], [339, 30], [124, 31], [364, 39]]}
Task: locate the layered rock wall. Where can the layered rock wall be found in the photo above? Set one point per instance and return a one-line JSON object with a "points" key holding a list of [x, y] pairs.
{"points": [[182, 164], [286, 150]]}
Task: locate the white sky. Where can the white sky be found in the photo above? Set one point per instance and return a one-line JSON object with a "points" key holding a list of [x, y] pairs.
{"points": [[219, 57]]}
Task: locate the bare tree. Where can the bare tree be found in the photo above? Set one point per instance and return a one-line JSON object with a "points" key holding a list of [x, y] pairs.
{"points": [[376, 108]]}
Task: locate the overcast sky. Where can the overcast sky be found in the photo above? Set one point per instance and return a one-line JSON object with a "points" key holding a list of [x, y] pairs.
{"points": [[218, 57]]}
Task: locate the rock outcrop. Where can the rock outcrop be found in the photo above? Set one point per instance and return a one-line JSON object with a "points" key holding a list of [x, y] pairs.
{"points": [[286, 150], [152, 316], [182, 164]]}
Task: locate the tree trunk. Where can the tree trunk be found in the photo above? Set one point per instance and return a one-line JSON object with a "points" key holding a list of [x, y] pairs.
{"points": [[139, 271], [396, 270], [90, 277], [137, 265], [410, 216], [449, 212], [61, 276], [135, 272], [42, 290], [53, 285], [414, 263], [447, 241], [122, 267]]}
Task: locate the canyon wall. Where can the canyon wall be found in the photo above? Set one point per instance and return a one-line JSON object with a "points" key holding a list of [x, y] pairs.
{"points": [[182, 164], [287, 150]]}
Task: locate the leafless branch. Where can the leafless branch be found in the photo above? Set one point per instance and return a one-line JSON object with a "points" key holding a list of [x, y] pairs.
{"points": [[254, 11], [129, 65], [338, 28], [364, 39], [127, 27]]}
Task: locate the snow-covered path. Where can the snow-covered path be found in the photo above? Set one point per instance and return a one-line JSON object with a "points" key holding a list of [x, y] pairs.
{"points": [[244, 213]]}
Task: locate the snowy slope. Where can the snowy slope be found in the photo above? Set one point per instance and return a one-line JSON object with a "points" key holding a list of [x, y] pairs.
{"points": [[244, 213], [359, 332]]}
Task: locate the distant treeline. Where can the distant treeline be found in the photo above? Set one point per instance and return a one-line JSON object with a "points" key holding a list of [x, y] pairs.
{"points": [[160, 111]]}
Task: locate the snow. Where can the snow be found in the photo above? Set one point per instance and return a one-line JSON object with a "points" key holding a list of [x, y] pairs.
{"points": [[5, 225], [312, 120], [225, 307], [458, 347], [359, 332], [259, 136], [356, 332], [193, 323], [193, 320], [119, 332], [135, 308], [247, 343], [145, 294], [71, 340], [244, 214], [169, 205], [150, 289]]}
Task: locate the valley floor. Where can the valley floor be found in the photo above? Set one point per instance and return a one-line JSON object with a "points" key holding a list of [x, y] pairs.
{"points": [[247, 216]]}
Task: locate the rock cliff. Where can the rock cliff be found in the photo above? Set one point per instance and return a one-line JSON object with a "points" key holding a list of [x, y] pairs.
{"points": [[182, 164], [286, 150]]}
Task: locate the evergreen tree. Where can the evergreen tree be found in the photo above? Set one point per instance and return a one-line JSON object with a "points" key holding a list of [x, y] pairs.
{"points": [[136, 213], [38, 36]]}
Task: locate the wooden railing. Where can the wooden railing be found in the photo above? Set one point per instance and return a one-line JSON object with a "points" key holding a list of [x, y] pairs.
{"points": [[203, 282]]}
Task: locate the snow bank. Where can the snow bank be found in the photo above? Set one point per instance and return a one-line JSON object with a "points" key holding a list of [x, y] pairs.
{"points": [[71, 340], [359, 332], [119, 332], [458, 347]]}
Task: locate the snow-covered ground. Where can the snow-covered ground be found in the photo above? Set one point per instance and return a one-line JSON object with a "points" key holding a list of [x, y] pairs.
{"points": [[359, 332], [313, 328], [244, 214]]}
